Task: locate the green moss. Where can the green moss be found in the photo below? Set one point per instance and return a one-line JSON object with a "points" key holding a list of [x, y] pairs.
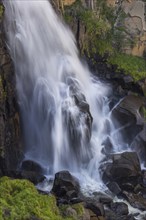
{"points": [[1, 10], [19, 199], [135, 66], [77, 207]]}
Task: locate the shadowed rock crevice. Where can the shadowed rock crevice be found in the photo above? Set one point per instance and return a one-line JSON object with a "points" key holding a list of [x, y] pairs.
{"points": [[10, 135]]}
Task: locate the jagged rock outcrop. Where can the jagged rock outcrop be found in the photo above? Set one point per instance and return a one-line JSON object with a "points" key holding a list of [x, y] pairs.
{"points": [[10, 147]]}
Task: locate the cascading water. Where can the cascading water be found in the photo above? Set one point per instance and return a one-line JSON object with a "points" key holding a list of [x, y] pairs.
{"points": [[52, 83]]}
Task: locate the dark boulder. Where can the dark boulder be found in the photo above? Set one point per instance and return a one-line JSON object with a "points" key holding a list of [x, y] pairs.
{"points": [[100, 197], [118, 211], [32, 171], [111, 215], [65, 186], [32, 176], [122, 167], [114, 187], [29, 165], [120, 208], [127, 117], [135, 200], [139, 145], [96, 208]]}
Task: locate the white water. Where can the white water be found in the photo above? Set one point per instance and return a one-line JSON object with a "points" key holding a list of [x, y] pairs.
{"points": [[49, 73]]}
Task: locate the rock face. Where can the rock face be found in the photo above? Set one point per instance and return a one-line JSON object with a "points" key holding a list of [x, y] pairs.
{"points": [[10, 148], [135, 25], [129, 118]]}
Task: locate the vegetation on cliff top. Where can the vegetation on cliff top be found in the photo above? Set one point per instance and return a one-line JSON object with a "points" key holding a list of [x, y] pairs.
{"points": [[103, 38]]}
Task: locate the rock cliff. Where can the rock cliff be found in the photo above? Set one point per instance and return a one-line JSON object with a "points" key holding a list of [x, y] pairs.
{"points": [[9, 116]]}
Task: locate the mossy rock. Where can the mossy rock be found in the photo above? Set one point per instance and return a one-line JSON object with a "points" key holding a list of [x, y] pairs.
{"points": [[19, 199], [1, 10], [75, 211]]}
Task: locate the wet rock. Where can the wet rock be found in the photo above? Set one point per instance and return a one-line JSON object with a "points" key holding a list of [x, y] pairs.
{"points": [[123, 167], [110, 215], [104, 198], [29, 165], [128, 186], [133, 104], [96, 208], [120, 208], [138, 188], [108, 146], [32, 176], [114, 187], [144, 178], [128, 117], [65, 186], [77, 120], [139, 144], [118, 211], [10, 143], [32, 171], [136, 200]]}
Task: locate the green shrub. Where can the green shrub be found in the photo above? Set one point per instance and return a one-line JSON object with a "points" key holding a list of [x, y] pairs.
{"points": [[135, 66], [19, 199]]}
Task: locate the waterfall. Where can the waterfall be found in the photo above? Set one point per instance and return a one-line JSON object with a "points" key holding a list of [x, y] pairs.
{"points": [[50, 81]]}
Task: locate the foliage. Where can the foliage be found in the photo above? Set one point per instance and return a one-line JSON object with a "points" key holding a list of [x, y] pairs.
{"points": [[1, 10], [77, 207], [132, 65], [97, 27], [19, 199]]}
